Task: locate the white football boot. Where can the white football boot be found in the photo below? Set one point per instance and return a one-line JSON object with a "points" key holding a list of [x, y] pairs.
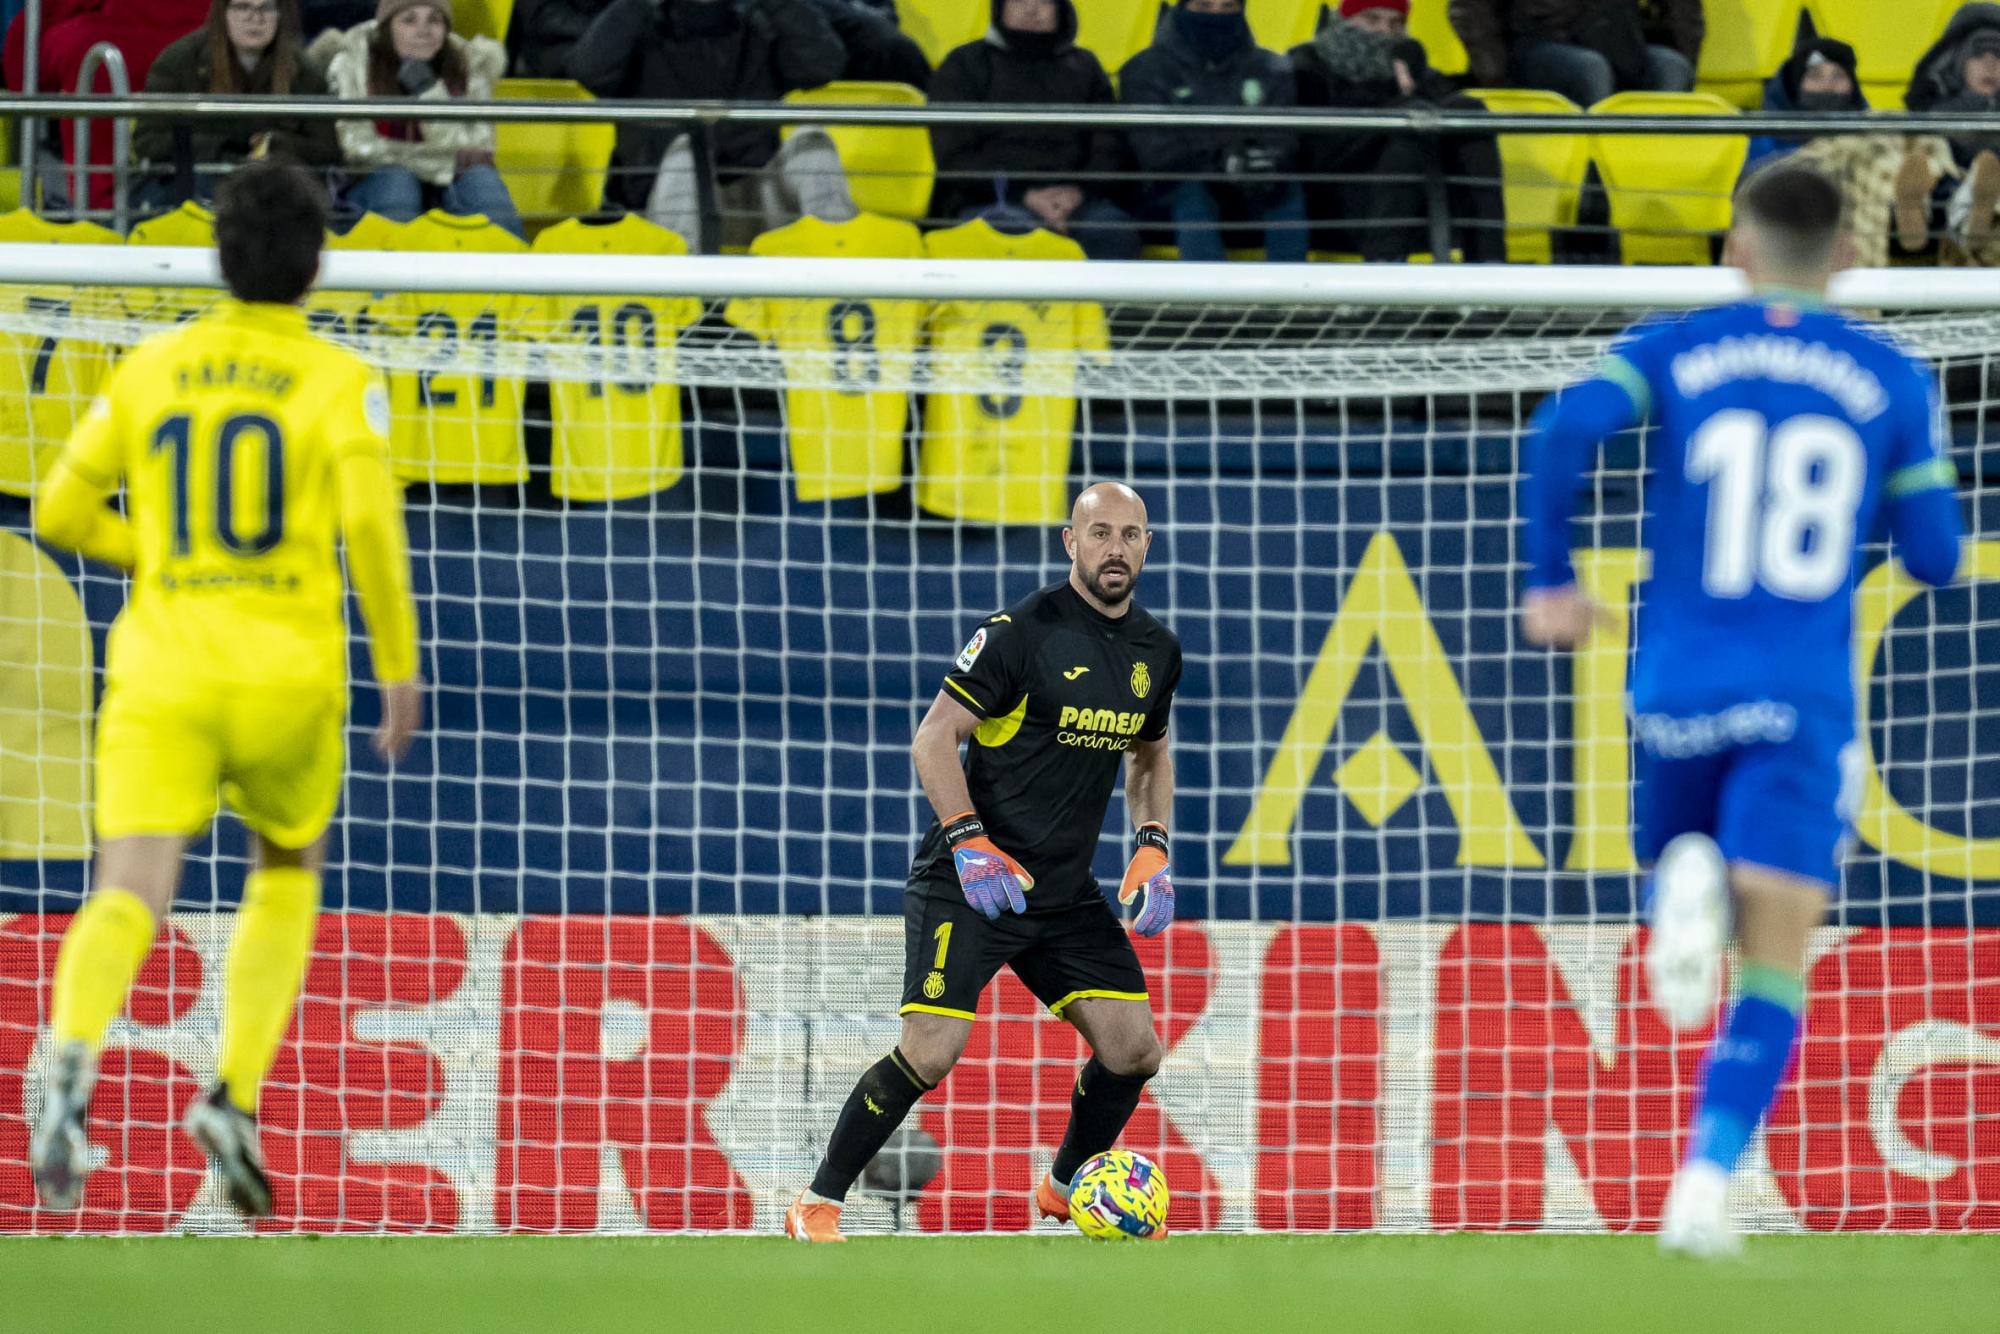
{"points": [[1690, 928], [1697, 1216], [60, 1150]]}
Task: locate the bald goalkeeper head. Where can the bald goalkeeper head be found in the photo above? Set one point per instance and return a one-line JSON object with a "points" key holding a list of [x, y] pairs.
{"points": [[1107, 541]]}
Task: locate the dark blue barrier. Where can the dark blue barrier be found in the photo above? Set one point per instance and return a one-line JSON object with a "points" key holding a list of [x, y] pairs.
{"points": [[703, 701]]}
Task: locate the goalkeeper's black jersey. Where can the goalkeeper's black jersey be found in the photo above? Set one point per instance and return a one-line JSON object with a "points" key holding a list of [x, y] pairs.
{"points": [[1063, 691]]}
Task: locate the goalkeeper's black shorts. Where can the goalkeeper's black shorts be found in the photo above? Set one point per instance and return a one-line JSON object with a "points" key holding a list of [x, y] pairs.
{"points": [[950, 953]]}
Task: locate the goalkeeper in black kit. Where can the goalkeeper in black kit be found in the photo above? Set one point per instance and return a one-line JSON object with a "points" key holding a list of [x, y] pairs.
{"points": [[1052, 693]]}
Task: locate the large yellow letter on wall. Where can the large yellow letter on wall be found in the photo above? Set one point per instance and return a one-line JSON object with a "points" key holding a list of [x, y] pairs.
{"points": [[1382, 606], [45, 695], [1882, 820], [1601, 750]]}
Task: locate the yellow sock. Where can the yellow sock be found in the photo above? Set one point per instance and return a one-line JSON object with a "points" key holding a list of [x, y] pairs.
{"points": [[100, 955], [267, 961]]}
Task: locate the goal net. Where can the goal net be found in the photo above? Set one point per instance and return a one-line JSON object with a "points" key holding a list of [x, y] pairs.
{"points": [[608, 951]]}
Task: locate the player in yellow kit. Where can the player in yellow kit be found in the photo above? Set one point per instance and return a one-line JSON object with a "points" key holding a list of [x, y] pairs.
{"points": [[248, 447]]}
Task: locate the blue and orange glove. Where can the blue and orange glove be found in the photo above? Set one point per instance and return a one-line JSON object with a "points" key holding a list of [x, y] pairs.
{"points": [[1150, 880], [990, 878]]}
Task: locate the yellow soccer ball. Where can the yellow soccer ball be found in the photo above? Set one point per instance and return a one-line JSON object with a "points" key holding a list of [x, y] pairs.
{"points": [[1119, 1195]]}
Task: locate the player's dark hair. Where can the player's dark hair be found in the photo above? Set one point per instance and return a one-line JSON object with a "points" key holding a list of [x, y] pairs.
{"points": [[1798, 212], [270, 222]]}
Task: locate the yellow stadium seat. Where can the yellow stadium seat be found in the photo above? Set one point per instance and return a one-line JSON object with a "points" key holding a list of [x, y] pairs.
{"points": [[482, 18], [939, 26], [1747, 40], [1283, 24], [1887, 38], [553, 170], [1117, 30], [1669, 193], [1431, 25], [1541, 174], [889, 168]]}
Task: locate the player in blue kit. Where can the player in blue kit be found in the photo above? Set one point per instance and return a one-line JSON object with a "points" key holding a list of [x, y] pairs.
{"points": [[1783, 432]]}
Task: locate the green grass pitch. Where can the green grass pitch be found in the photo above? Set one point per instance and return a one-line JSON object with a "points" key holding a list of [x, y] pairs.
{"points": [[1369, 1285]]}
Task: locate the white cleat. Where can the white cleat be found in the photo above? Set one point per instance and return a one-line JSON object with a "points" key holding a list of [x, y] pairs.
{"points": [[1697, 1217], [1690, 927], [60, 1150]]}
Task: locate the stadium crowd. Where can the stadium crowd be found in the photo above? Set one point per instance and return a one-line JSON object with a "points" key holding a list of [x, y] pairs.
{"points": [[1381, 195]]}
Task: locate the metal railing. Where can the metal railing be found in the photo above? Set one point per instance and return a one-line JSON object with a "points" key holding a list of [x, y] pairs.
{"points": [[1418, 120], [31, 75], [701, 121], [105, 56]]}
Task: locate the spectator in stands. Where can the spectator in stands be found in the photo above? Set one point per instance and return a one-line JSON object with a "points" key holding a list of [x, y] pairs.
{"points": [[544, 32], [140, 29], [1819, 77], [878, 51], [1204, 55], [723, 50], [247, 46], [1584, 49], [1885, 178], [406, 166], [1025, 176], [1365, 58], [318, 16], [1961, 73]]}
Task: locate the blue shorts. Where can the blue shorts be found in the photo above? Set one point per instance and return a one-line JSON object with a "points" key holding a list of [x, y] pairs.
{"points": [[1774, 786]]}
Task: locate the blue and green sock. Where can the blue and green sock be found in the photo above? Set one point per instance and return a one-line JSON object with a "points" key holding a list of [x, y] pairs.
{"points": [[1745, 1065]]}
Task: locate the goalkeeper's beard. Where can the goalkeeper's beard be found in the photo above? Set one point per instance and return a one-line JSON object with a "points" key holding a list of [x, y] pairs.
{"points": [[1094, 581]]}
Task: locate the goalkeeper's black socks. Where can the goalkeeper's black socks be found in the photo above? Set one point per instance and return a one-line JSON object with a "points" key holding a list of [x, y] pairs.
{"points": [[877, 1106], [1099, 1107]]}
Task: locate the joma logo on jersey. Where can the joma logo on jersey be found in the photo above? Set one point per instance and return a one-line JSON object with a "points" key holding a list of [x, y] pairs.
{"points": [[1098, 729]]}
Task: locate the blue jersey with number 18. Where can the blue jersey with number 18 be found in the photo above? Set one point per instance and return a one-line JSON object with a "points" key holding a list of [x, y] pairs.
{"points": [[1783, 435]]}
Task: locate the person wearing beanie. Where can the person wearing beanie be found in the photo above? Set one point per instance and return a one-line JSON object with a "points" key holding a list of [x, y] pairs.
{"points": [[1204, 55], [1584, 49], [1367, 192], [725, 51], [1961, 73], [1026, 176], [1887, 180], [401, 167], [1819, 77]]}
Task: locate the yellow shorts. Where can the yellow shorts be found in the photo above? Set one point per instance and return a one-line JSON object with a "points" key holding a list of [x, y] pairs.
{"points": [[164, 752]]}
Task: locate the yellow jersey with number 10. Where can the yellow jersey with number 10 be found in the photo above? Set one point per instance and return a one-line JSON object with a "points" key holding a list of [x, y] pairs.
{"points": [[229, 435], [617, 432]]}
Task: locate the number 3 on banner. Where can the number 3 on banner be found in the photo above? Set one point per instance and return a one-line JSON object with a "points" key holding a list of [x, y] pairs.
{"points": [[1789, 525]]}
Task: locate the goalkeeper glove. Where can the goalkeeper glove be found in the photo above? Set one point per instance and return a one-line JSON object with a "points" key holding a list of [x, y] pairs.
{"points": [[990, 878], [1150, 880]]}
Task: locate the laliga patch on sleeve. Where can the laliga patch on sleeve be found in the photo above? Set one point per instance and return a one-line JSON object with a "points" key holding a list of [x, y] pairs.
{"points": [[375, 409], [973, 648]]}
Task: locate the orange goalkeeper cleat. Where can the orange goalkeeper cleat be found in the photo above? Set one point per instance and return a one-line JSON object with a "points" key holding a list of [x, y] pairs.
{"points": [[813, 1222], [1049, 1204]]}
